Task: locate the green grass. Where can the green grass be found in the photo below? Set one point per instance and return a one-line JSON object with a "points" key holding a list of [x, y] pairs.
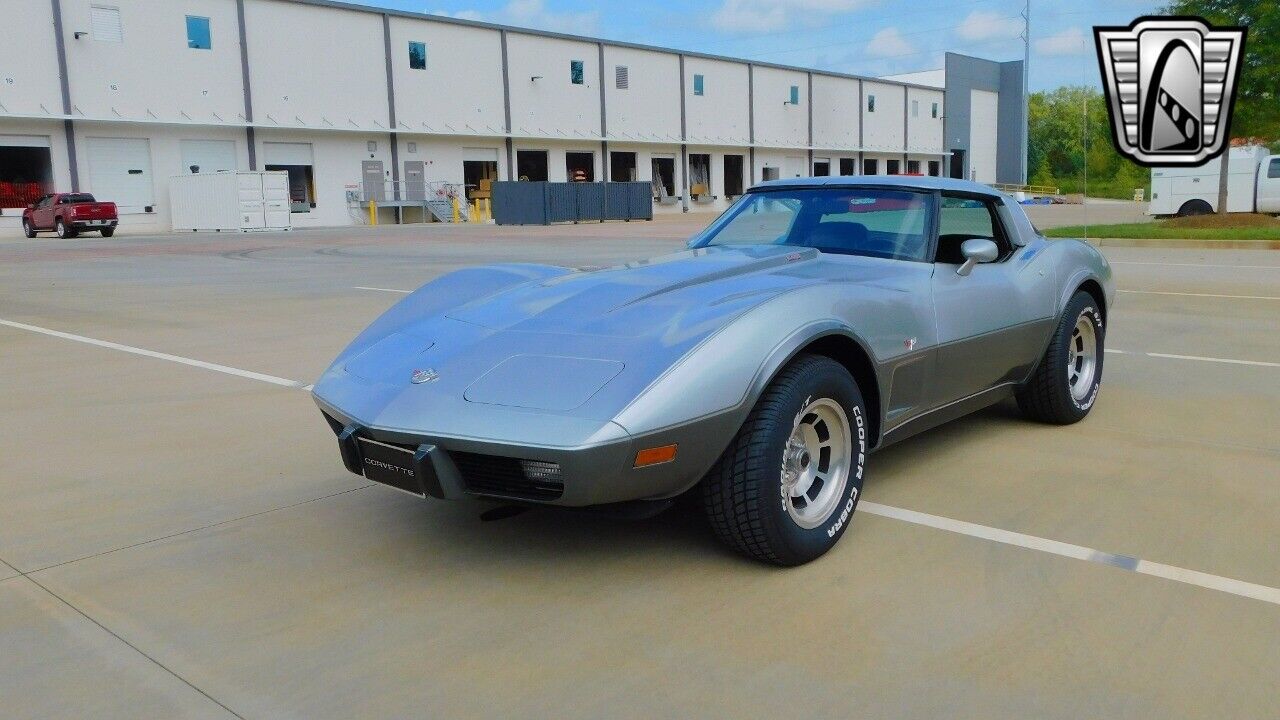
{"points": [[1158, 231]]}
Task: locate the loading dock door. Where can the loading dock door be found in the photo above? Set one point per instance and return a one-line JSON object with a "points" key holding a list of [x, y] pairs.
{"points": [[415, 180], [120, 172], [374, 180]]}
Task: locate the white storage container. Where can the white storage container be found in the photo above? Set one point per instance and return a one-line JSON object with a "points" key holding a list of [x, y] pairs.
{"points": [[241, 201]]}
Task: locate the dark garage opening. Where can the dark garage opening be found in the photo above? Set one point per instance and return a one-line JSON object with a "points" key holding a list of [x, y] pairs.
{"points": [[700, 177], [531, 165], [580, 166], [664, 178], [733, 176], [846, 166], [892, 167], [476, 171], [821, 168], [870, 166], [26, 173], [302, 186], [622, 166]]}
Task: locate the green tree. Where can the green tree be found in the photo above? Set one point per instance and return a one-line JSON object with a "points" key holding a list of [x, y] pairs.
{"points": [[1257, 109]]}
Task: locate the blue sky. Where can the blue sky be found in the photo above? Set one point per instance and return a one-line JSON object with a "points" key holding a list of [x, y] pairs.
{"points": [[873, 37]]}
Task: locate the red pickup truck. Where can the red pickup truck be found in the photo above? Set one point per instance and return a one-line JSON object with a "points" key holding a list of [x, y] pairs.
{"points": [[69, 214]]}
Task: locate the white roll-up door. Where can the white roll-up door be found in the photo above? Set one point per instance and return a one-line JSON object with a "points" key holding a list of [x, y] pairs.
{"points": [[37, 141], [120, 172], [286, 153], [984, 113], [480, 154], [208, 155]]}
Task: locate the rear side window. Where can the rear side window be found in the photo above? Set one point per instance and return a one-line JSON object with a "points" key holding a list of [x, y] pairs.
{"points": [[76, 198], [1273, 168], [965, 218]]}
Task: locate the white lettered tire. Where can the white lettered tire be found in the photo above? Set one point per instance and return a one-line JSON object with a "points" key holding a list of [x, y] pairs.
{"points": [[785, 490]]}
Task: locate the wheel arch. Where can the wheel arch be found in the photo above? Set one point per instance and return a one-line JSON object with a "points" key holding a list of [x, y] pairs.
{"points": [[1094, 288], [841, 344]]}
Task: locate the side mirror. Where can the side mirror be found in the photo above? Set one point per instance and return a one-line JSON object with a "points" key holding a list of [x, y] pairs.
{"points": [[977, 250]]}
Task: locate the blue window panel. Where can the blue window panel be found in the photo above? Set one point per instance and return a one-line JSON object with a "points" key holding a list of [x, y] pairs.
{"points": [[795, 94], [871, 103], [198, 35], [417, 56], [699, 85], [575, 72]]}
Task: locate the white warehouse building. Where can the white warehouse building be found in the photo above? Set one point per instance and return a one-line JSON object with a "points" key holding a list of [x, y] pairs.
{"points": [[114, 97]]}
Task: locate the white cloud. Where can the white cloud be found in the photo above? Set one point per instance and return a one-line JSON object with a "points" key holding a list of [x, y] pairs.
{"points": [[761, 16], [1068, 42], [988, 25], [532, 14], [889, 43]]}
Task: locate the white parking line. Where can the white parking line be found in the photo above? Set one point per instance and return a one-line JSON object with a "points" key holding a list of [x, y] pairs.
{"points": [[377, 289], [1078, 552], [1198, 265], [1229, 361], [249, 374], [1203, 295], [1007, 537]]}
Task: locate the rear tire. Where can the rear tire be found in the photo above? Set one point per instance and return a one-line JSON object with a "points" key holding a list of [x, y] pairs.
{"points": [[108, 232], [27, 230], [1195, 207], [785, 489], [1065, 386], [62, 230]]}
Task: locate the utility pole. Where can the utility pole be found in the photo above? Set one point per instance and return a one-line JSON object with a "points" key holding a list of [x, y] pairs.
{"points": [[1026, 86]]}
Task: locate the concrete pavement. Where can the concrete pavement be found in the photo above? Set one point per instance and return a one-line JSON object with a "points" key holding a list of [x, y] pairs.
{"points": [[190, 546]]}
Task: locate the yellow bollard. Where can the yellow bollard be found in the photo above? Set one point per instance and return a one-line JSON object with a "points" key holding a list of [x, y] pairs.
{"points": [[474, 211], [455, 210], [487, 212], [373, 213]]}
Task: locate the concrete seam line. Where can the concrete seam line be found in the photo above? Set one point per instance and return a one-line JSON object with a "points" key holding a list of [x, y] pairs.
{"points": [[1204, 295], [1078, 552], [249, 374], [133, 647], [210, 526]]}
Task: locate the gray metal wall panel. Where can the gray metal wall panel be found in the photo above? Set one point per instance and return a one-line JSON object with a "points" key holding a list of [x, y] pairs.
{"points": [[965, 74]]}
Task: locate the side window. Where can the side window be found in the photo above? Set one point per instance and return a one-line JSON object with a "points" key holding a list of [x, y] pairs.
{"points": [[964, 218], [1273, 168]]}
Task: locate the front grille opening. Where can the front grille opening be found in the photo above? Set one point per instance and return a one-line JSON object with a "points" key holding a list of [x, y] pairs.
{"points": [[509, 477]]}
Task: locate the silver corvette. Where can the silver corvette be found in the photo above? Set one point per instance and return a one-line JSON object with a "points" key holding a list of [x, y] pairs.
{"points": [[812, 323]]}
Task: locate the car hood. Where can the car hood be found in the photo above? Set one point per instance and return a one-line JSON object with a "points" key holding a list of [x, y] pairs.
{"points": [[561, 343], [645, 297]]}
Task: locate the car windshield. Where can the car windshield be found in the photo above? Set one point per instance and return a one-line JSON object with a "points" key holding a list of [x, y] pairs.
{"points": [[876, 222], [77, 198]]}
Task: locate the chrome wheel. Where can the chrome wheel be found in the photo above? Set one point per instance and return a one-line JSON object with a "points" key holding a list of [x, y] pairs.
{"points": [[815, 463], [1082, 357]]}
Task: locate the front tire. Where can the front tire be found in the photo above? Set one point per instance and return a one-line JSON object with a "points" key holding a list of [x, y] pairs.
{"points": [[27, 230], [1065, 386], [786, 488]]}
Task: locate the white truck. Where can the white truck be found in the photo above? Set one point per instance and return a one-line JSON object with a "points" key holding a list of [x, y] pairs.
{"points": [[1253, 185]]}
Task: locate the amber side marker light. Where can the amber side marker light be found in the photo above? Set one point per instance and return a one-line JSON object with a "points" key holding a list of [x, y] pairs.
{"points": [[655, 456]]}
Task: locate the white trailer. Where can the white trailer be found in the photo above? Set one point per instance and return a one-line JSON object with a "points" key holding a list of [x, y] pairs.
{"points": [[1253, 185], [233, 201]]}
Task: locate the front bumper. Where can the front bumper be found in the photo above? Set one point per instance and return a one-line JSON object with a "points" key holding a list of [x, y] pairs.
{"points": [[452, 468]]}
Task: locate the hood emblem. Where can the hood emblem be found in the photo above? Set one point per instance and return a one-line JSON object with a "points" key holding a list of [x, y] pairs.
{"points": [[423, 376]]}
